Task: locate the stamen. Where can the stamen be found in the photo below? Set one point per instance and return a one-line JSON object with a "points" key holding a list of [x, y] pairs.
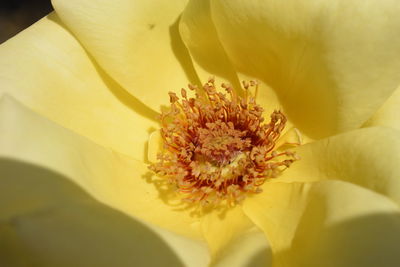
{"points": [[217, 148]]}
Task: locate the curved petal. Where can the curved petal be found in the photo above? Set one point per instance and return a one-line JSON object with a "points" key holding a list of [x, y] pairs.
{"points": [[222, 228], [112, 178], [135, 42], [331, 63], [328, 223], [45, 68], [368, 157], [388, 114], [45, 220], [200, 37], [249, 250]]}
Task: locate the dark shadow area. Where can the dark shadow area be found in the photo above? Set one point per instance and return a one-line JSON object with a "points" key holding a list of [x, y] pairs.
{"points": [[16, 15], [46, 220], [368, 241]]}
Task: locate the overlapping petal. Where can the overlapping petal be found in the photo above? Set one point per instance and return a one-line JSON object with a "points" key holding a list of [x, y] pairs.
{"points": [[136, 42], [251, 249], [331, 63], [388, 114], [112, 178], [220, 229], [368, 157], [45, 220], [327, 223], [46, 68], [200, 36]]}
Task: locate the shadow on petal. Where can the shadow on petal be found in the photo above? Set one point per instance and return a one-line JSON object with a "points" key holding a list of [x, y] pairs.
{"points": [[119, 92], [45, 220], [182, 54], [364, 241]]}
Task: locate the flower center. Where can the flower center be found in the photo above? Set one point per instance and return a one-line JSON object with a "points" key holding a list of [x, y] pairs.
{"points": [[219, 142], [216, 146]]}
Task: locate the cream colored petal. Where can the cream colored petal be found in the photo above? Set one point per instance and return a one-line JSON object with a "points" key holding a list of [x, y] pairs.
{"points": [[328, 223], [332, 64], [46, 68], [249, 250], [136, 42], [112, 178], [200, 37], [221, 228], [45, 220], [389, 114], [367, 157]]}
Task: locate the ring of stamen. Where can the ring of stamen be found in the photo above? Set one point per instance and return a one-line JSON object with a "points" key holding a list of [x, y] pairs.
{"points": [[217, 147]]}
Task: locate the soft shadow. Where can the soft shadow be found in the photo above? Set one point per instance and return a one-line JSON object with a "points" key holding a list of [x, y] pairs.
{"points": [[368, 241], [46, 220], [261, 258], [169, 195], [245, 250], [117, 90], [182, 54], [212, 56], [126, 98]]}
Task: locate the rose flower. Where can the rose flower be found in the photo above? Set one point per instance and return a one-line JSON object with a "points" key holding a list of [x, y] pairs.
{"points": [[202, 133]]}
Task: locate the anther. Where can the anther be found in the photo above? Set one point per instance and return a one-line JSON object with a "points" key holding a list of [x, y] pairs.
{"points": [[217, 148]]}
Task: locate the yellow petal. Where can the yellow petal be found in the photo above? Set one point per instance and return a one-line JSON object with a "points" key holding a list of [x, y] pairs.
{"points": [[48, 221], [222, 229], [331, 63], [201, 39], [291, 138], [250, 249], [111, 178], [328, 223], [45, 68], [136, 42], [388, 114], [368, 157]]}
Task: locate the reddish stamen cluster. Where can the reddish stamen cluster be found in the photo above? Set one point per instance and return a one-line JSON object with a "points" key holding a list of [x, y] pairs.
{"points": [[216, 148]]}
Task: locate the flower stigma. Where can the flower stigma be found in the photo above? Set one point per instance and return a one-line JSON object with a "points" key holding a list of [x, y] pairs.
{"points": [[216, 146]]}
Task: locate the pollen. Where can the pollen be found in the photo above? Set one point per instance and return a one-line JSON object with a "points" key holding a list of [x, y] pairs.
{"points": [[217, 147]]}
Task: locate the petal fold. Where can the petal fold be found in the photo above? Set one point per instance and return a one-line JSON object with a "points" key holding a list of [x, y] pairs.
{"points": [[46, 68], [136, 42], [230, 231], [200, 37], [327, 223], [368, 157], [388, 114], [332, 64]]}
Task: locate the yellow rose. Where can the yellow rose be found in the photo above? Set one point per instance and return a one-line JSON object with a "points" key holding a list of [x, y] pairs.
{"points": [[80, 91]]}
